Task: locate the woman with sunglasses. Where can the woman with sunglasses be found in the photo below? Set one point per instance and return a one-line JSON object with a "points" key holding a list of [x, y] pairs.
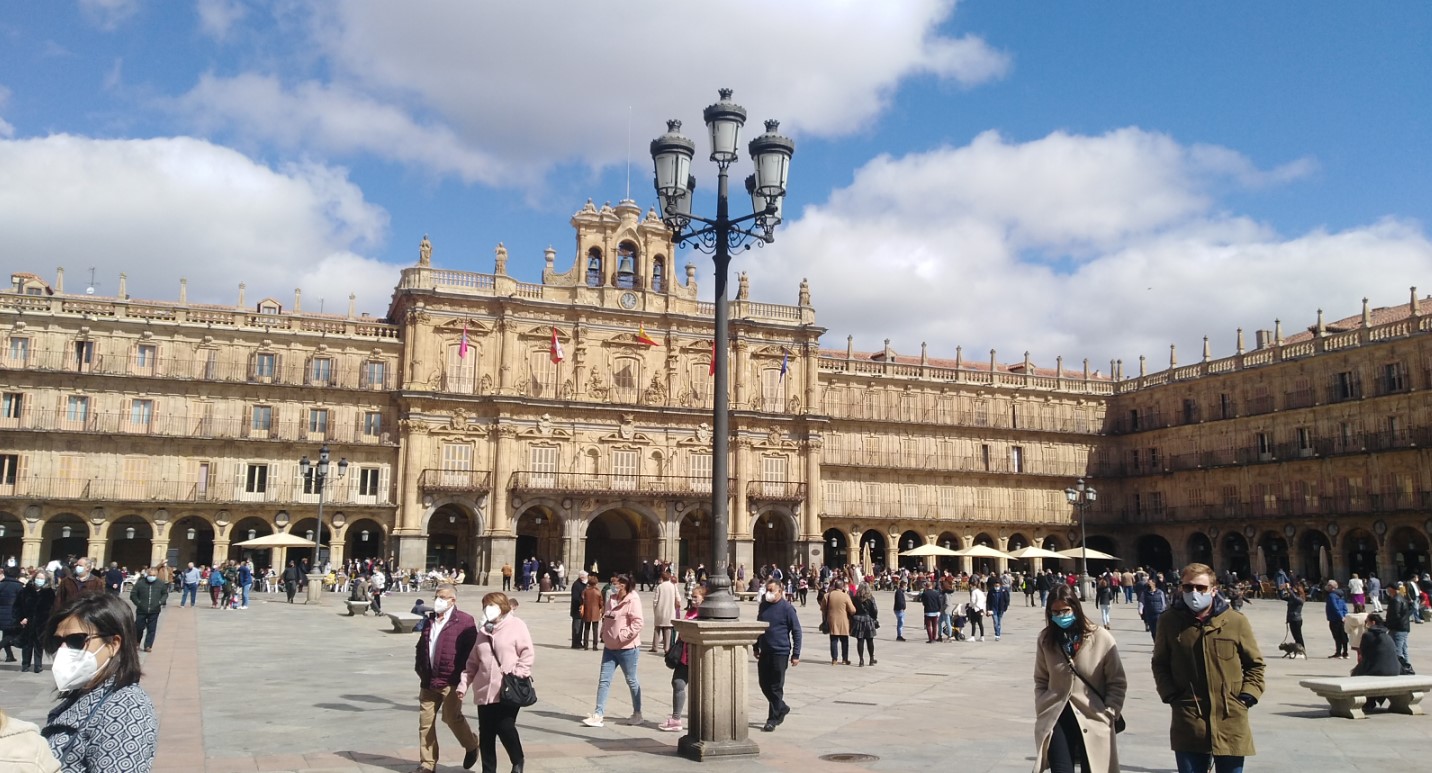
{"points": [[105, 722], [1079, 688]]}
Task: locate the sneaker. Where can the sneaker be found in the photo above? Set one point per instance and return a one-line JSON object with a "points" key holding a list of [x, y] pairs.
{"points": [[996, 637], [671, 725], [634, 719], [981, 638], [594, 720], [246, 606]]}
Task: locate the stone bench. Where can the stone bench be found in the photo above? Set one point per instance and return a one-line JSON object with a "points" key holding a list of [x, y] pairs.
{"points": [[746, 595], [1346, 695], [404, 622], [548, 596], [358, 607]]}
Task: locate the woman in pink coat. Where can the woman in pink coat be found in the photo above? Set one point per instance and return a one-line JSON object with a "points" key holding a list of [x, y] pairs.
{"points": [[622, 622], [504, 645]]}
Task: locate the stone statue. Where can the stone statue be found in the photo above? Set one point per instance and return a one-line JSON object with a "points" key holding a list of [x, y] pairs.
{"points": [[805, 293], [501, 260], [425, 252], [743, 287]]}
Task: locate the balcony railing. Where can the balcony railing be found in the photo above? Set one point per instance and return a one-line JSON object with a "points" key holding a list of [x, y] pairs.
{"points": [[776, 490], [180, 425], [945, 463], [344, 492], [244, 369], [611, 483], [1298, 506], [455, 480], [859, 411]]}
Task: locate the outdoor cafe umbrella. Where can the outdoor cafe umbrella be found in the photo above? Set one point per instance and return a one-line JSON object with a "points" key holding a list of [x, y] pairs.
{"points": [[981, 551], [278, 540], [1097, 555], [928, 550], [1033, 552]]}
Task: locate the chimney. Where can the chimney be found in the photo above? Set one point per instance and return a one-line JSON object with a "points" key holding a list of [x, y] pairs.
{"points": [[1143, 369], [1262, 339], [850, 347], [242, 286], [1366, 314], [1240, 340], [1278, 328], [1416, 307], [1173, 355], [959, 357], [297, 300], [124, 284], [924, 353], [60, 282], [1207, 350], [183, 290]]}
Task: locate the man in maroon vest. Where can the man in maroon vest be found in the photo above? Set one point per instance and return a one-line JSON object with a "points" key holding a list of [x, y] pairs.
{"points": [[442, 653]]}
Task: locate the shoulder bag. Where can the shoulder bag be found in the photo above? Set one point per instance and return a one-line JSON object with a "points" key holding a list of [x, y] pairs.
{"points": [[516, 690], [1118, 718]]}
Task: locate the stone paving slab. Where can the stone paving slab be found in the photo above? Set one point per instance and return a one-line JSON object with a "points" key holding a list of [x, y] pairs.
{"points": [[282, 687]]}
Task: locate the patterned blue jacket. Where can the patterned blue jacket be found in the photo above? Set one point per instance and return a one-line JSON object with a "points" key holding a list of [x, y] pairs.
{"points": [[104, 730]]}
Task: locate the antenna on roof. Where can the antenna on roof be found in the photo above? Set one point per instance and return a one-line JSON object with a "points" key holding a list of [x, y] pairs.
{"points": [[92, 284]]}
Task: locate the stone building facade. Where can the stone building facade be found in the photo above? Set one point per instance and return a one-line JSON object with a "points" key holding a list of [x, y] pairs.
{"points": [[487, 420]]}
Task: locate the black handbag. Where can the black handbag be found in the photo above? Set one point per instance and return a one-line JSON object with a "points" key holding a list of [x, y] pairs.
{"points": [[674, 653], [1118, 718], [516, 690]]}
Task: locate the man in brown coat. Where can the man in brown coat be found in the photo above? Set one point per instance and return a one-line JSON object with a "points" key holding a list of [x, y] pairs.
{"points": [[837, 609], [79, 580], [1207, 667]]}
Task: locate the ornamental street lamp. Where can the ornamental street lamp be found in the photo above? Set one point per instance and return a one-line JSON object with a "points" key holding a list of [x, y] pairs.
{"points": [[1081, 497], [315, 480], [671, 154]]}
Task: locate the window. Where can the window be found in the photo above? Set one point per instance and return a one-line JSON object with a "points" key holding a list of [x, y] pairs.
{"points": [[624, 467], [772, 390], [831, 500], [262, 418], [948, 505], [1265, 446], [774, 472], [700, 471], [1154, 462], [594, 267], [543, 460], [1346, 386], [141, 412], [19, 351], [256, 479], [265, 365], [1156, 503], [1305, 440], [1190, 411], [201, 480], [12, 405], [461, 371], [1016, 459], [209, 364], [375, 374], [318, 421], [145, 357], [9, 469], [368, 482], [1394, 377], [320, 371], [373, 424], [542, 373], [84, 354], [626, 380], [1134, 420], [1225, 406], [77, 408], [456, 464], [984, 456]]}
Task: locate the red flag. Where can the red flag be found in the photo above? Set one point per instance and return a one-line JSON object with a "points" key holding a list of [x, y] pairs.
{"points": [[642, 336], [557, 354], [711, 371], [462, 347]]}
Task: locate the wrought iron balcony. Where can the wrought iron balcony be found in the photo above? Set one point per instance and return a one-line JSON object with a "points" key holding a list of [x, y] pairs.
{"points": [[673, 486], [455, 480], [776, 490]]}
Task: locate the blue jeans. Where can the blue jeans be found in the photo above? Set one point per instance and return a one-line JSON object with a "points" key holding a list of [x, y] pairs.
{"points": [[1199, 762], [1399, 638], [244, 589], [190, 594], [946, 628], [627, 659], [998, 623], [900, 624], [1128, 594]]}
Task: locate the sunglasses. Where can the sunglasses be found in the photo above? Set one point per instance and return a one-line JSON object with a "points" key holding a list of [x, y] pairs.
{"points": [[1189, 588], [75, 641]]}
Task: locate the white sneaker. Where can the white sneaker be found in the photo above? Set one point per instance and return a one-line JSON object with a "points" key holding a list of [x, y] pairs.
{"points": [[244, 607], [593, 720], [996, 638], [981, 638], [634, 719]]}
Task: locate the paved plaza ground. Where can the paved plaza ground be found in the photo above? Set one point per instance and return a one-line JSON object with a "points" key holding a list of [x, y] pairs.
{"points": [[293, 688]]}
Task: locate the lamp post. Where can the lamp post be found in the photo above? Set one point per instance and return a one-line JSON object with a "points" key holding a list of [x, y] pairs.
{"points": [[671, 154], [1081, 497], [315, 478]]}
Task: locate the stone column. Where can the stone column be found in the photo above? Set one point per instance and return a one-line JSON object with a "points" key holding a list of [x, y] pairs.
{"points": [[30, 551], [719, 653], [158, 551], [221, 552], [96, 551]]}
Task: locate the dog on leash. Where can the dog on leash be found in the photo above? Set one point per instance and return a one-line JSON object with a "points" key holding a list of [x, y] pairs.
{"points": [[1292, 649]]}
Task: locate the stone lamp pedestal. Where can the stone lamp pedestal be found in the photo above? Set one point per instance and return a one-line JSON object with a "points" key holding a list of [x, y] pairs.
{"points": [[315, 588], [718, 654]]}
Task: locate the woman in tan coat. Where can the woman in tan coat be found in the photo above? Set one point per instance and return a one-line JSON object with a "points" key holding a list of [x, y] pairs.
{"points": [[1074, 718], [591, 614], [837, 609]]}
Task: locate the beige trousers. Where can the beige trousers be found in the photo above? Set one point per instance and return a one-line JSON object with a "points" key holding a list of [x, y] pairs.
{"points": [[429, 701]]}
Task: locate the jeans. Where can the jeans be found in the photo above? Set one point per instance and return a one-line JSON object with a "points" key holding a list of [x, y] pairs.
{"points": [[1066, 745], [932, 626], [945, 624], [190, 594], [244, 591], [899, 623], [577, 632], [771, 673], [1129, 594], [843, 644], [1104, 612], [1399, 638], [627, 660], [998, 623], [1200, 762], [144, 626]]}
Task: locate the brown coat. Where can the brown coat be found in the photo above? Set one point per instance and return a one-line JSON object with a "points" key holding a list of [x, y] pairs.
{"points": [[69, 588], [1055, 685], [592, 604], [838, 610], [1207, 718]]}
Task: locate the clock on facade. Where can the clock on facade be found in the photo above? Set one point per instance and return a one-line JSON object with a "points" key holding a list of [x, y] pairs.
{"points": [[628, 300]]}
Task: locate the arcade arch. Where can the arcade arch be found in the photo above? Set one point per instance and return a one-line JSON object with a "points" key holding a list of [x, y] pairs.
{"points": [[774, 535], [130, 542]]}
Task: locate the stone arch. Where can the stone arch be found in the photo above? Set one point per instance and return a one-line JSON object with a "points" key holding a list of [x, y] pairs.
{"points": [[876, 541], [1360, 549], [260, 526], [1314, 555], [1409, 552], [1272, 554], [12, 536], [1200, 549], [628, 264], [130, 542], [1234, 554], [592, 269], [909, 540], [773, 534], [693, 531], [1154, 553], [365, 538], [659, 275], [836, 544], [540, 529], [618, 537], [1108, 545], [983, 564], [453, 526], [191, 538]]}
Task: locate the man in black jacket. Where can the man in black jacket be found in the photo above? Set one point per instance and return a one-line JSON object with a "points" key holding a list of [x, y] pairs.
{"points": [[933, 603], [778, 646], [576, 611], [899, 613], [149, 597], [10, 588], [1399, 620]]}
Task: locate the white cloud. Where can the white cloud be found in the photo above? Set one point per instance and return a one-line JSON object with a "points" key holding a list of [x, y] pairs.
{"points": [[501, 81], [1107, 247], [165, 208], [109, 14], [217, 17]]}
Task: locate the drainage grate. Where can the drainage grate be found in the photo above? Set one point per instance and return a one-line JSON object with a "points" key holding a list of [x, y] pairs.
{"points": [[848, 758]]}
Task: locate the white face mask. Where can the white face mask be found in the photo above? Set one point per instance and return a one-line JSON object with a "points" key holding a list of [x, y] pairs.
{"points": [[441, 605], [770, 596], [73, 668], [40, 581], [491, 612], [81, 571]]}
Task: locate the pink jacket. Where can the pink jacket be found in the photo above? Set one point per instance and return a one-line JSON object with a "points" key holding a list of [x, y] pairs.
{"points": [[483, 676], [622, 623]]}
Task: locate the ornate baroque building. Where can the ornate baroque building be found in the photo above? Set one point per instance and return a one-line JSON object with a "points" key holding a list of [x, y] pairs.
{"points": [[487, 420]]}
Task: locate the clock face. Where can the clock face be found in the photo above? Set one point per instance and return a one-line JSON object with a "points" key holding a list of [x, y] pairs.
{"points": [[628, 300]]}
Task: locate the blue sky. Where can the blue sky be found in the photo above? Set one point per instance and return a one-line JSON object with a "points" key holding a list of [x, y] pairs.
{"points": [[1079, 178]]}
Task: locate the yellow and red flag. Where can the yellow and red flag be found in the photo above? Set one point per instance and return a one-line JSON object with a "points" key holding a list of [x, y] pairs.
{"points": [[643, 337]]}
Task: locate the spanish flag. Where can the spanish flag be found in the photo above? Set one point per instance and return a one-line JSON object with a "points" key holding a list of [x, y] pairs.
{"points": [[555, 351], [711, 371], [642, 336]]}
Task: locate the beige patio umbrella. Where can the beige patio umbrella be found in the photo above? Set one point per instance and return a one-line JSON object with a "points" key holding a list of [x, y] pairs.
{"points": [[278, 540], [1324, 565], [1033, 552], [981, 551], [929, 550], [1097, 555]]}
